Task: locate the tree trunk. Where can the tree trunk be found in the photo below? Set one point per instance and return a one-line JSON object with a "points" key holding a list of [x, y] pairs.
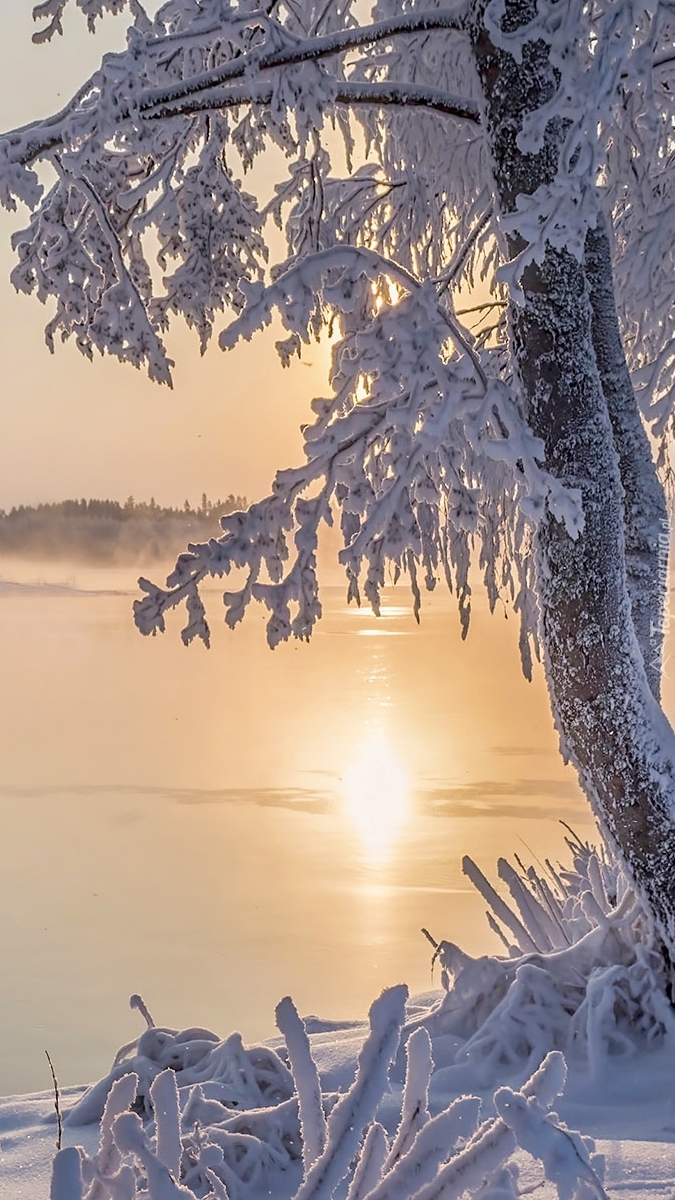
{"points": [[644, 505], [566, 345]]}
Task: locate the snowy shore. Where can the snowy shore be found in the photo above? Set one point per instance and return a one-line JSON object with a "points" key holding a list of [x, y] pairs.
{"points": [[630, 1114], [548, 1070]]}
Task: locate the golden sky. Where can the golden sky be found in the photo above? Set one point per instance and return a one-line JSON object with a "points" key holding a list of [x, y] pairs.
{"points": [[71, 428]]}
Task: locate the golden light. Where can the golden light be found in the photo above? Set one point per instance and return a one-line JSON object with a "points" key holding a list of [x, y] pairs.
{"points": [[376, 795], [387, 292], [362, 389]]}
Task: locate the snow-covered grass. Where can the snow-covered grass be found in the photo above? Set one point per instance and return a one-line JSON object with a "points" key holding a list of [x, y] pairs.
{"points": [[583, 973], [447, 1095]]}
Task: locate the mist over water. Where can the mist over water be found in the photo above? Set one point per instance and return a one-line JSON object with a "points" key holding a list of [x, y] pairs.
{"points": [[218, 829], [107, 533]]}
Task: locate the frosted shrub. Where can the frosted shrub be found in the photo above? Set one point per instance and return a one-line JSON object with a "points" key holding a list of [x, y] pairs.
{"points": [[183, 1113], [315, 1143], [232, 1076], [584, 974]]}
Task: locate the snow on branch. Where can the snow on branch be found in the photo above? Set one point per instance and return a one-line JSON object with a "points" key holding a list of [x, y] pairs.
{"points": [[53, 10], [612, 128], [354, 1110], [413, 450], [183, 1113], [402, 95], [313, 48], [421, 450], [272, 50], [147, 218], [336, 42], [305, 1074], [131, 130]]}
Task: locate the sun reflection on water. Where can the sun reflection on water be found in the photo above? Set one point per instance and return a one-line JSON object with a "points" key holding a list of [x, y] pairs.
{"points": [[376, 794]]}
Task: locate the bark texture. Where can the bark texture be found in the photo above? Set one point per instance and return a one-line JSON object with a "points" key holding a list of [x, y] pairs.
{"points": [[567, 347], [644, 503]]}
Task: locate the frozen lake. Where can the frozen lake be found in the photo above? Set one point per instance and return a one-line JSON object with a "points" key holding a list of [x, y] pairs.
{"points": [[218, 829]]}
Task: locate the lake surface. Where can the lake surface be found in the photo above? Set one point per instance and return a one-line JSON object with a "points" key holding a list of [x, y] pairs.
{"points": [[218, 829]]}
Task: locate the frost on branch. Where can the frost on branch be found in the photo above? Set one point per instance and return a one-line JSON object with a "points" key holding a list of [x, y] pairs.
{"points": [[419, 452], [52, 12], [148, 220], [201, 82], [211, 226], [146, 217], [614, 94], [602, 59]]}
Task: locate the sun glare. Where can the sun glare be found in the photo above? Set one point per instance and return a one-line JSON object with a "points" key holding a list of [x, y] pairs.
{"points": [[376, 795]]}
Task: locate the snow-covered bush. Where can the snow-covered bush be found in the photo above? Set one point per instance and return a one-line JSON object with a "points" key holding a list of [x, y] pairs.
{"points": [[585, 972], [318, 1145], [183, 1113]]}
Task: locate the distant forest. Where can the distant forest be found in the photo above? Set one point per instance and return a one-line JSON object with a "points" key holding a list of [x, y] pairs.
{"points": [[104, 531]]}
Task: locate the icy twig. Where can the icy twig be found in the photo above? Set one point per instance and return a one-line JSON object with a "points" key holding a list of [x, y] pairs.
{"points": [[57, 1102]]}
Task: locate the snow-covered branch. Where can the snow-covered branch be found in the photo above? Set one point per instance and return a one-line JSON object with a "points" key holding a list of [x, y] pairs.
{"points": [[422, 450], [183, 1113], [398, 94], [314, 48], [183, 97], [23, 147], [415, 449]]}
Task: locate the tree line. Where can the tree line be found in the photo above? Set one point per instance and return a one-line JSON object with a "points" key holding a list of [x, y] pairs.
{"points": [[105, 531]]}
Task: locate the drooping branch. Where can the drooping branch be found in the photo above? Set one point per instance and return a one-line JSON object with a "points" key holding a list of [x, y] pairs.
{"points": [[460, 258], [161, 365], [26, 145], [400, 463], [644, 506]]}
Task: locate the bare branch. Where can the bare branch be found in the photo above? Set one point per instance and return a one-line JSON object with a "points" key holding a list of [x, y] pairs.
{"points": [[457, 265], [461, 312], [57, 1102]]}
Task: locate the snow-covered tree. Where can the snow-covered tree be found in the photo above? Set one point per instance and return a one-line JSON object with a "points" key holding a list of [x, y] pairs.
{"points": [[477, 200]]}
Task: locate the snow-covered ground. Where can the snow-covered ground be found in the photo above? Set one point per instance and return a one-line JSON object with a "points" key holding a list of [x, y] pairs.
{"points": [[631, 1115], [548, 1071]]}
